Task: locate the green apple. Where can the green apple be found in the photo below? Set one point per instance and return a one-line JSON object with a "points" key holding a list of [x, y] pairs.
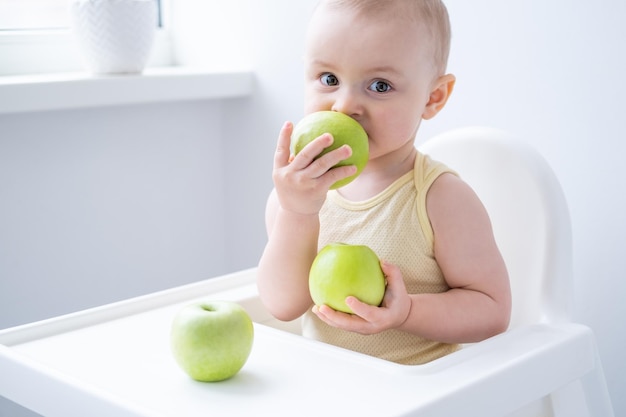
{"points": [[340, 270], [211, 340], [345, 131]]}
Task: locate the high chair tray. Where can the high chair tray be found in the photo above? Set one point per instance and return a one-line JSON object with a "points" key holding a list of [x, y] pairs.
{"points": [[115, 360]]}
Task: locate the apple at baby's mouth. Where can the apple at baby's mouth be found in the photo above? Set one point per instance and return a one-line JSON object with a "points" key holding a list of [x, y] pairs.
{"points": [[345, 131], [211, 340]]}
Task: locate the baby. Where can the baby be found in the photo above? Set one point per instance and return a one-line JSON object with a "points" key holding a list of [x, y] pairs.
{"points": [[384, 64]]}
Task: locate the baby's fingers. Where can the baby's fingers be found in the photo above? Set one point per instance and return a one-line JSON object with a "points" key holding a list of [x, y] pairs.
{"points": [[307, 155], [361, 309], [281, 157]]}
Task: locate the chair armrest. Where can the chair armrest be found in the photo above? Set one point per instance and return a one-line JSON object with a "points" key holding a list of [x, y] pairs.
{"points": [[502, 374]]}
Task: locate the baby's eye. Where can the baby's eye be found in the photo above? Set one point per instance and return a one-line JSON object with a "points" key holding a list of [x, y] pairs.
{"points": [[329, 79], [379, 86]]}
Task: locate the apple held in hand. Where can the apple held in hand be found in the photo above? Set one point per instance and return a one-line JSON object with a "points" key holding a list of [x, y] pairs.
{"points": [[211, 340], [340, 270], [345, 131]]}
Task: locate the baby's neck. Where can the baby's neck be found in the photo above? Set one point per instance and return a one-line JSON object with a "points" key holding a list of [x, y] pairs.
{"points": [[376, 177]]}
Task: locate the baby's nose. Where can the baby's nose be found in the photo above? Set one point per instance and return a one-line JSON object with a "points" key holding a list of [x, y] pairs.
{"points": [[348, 102]]}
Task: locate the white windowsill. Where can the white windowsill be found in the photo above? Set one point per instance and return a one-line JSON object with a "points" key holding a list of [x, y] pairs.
{"points": [[45, 92]]}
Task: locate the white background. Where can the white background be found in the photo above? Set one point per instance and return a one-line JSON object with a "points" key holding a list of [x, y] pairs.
{"points": [[103, 204]]}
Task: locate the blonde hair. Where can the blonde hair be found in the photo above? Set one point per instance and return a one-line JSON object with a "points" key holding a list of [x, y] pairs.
{"points": [[432, 14]]}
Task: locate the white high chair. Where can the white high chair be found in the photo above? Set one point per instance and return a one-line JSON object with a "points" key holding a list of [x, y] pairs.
{"points": [[532, 227], [114, 360]]}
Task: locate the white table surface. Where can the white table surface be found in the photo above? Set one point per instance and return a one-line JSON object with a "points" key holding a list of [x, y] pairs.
{"points": [[116, 360]]}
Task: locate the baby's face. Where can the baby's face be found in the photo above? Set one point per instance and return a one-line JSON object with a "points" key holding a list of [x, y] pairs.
{"points": [[379, 71]]}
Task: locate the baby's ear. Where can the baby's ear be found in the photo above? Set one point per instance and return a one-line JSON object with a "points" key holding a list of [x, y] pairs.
{"points": [[439, 95]]}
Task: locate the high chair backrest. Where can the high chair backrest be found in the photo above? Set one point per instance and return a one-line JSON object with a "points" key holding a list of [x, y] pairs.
{"points": [[528, 212]]}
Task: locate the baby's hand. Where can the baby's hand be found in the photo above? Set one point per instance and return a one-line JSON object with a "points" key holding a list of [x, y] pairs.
{"points": [[368, 319], [301, 181]]}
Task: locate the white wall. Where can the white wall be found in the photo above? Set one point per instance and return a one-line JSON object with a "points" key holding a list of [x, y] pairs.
{"points": [[550, 72], [103, 204]]}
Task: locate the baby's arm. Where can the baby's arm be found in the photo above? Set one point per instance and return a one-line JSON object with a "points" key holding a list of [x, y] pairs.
{"points": [[478, 303], [292, 222], [282, 275]]}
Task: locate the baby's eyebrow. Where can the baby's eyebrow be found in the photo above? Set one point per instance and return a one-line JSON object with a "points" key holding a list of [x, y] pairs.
{"points": [[320, 63], [386, 69]]}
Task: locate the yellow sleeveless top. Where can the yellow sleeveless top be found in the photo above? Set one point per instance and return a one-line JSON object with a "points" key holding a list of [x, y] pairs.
{"points": [[395, 225]]}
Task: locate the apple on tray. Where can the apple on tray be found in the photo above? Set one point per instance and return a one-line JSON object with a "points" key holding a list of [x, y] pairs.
{"points": [[345, 131], [211, 340], [340, 270]]}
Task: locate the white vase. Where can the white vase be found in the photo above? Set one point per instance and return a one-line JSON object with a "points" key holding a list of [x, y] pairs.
{"points": [[114, 36]]}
